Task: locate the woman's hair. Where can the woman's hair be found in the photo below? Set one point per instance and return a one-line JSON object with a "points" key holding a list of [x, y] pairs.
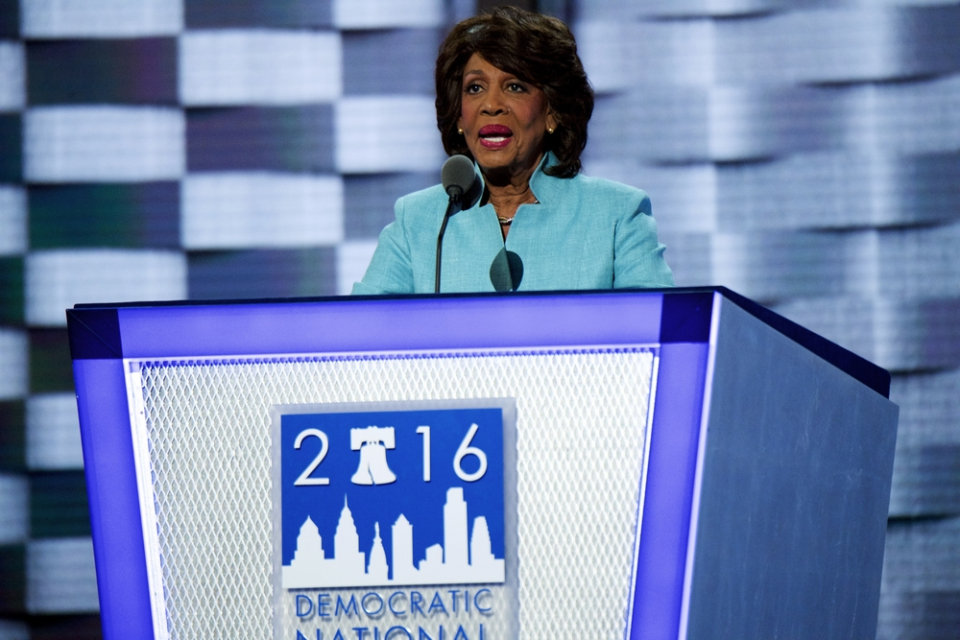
{"points": [[536, 49]]}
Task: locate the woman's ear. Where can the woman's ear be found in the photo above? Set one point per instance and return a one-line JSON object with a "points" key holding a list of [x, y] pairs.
{"points": [[551, 121]]}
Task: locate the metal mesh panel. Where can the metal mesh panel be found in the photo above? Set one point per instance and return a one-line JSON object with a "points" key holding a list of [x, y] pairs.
{"points": [[581, 419]]}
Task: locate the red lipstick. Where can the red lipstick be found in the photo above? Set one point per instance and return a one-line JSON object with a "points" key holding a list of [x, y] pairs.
{"points": [[495, 136]]}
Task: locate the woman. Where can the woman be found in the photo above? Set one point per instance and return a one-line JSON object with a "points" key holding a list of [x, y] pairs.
{"points": [[513, 97]]}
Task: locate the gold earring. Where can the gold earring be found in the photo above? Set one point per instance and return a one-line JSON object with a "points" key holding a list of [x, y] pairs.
{"points": [[550, 130], [460, 131]]}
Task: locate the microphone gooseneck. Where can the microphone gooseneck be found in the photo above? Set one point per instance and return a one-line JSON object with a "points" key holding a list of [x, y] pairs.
{"points": [[457, 177]]}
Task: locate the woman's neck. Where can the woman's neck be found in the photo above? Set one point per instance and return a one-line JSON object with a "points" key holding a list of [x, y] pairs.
{"points": [[508, 190], [506, 201]]}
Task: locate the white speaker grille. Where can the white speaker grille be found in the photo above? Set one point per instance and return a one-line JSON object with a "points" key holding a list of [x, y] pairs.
{"points": [[582, 421]]}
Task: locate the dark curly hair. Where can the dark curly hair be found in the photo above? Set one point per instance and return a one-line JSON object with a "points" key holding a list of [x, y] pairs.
{"points": [[535, 48]]}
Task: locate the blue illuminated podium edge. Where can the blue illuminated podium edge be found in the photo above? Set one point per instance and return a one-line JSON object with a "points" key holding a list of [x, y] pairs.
{"points": [[680, 321]]}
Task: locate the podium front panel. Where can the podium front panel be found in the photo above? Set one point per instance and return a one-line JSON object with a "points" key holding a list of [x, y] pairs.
{"points": [[200, 383]]}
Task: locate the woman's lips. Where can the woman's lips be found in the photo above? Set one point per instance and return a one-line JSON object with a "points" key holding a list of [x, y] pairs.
{"points": [[495, 136]]}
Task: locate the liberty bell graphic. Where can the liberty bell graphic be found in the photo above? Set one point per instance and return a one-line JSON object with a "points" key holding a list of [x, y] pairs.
{"points": [[373, 443]]}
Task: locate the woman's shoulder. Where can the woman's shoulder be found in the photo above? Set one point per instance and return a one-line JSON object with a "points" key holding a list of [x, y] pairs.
{"points": [[604, 195], [424, 197], [420, 211], [602, 187]]}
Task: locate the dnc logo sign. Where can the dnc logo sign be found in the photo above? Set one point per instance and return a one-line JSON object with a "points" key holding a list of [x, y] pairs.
{"points": [[390, 498]]}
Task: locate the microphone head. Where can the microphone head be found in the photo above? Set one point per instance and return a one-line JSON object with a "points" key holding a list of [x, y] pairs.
{"points": [[457, 175]]}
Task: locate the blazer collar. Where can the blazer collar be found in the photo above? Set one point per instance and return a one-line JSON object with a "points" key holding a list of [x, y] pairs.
{"points": [[540, 183]]}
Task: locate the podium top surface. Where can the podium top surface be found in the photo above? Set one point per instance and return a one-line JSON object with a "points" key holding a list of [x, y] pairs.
{"points": [[343, 325]]}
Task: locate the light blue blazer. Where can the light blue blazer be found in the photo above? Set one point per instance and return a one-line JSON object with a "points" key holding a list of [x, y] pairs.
{"points": [[584, 233]]}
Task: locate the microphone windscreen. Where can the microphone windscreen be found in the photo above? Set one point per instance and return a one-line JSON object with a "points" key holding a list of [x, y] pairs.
{"points": [[457, 175]]}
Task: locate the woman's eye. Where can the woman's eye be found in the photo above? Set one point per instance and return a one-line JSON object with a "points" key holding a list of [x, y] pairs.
{"points": [[516, 87], [472, 88]]}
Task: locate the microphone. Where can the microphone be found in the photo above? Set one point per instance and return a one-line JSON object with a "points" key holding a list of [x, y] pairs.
{"points": [[457, 177]]}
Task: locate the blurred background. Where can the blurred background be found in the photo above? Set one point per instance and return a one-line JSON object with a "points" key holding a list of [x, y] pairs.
{"points": [[805, 153]]}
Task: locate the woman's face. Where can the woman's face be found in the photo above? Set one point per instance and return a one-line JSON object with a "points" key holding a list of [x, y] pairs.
{"points": [[504, 119]]}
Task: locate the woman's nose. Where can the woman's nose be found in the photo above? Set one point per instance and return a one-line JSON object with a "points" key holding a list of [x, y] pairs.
{"points": [[494, 102]]}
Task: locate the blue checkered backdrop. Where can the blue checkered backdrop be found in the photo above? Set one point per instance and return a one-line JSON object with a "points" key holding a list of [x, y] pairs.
{"points": [[805, 153]]}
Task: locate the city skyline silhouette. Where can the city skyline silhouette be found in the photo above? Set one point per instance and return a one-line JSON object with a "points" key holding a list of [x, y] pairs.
{"points": [[465, 557]]}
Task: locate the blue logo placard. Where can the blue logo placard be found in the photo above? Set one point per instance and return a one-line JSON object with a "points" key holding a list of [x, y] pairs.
{"points": [[390, 498]]}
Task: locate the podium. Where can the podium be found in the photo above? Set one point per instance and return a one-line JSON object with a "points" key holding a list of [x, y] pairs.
{"points": [[628, 464]]}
